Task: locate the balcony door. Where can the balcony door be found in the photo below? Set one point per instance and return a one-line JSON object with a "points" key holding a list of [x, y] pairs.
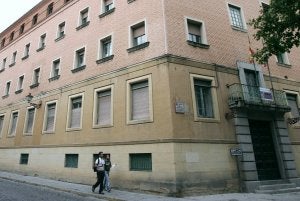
{"points": [[252, 86]]}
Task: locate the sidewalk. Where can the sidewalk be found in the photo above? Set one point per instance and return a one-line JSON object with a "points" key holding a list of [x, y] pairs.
{"points": [[118, 195]]}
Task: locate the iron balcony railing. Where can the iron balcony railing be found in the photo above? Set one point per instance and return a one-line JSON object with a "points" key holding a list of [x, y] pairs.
{"points": [[241, 95]]}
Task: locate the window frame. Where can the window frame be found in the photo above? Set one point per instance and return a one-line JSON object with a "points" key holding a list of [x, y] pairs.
{"points": [[95, 109], [45, 120], [26, 123], [81, 22], [135, 26], [34, 20], [76, 58], [7, 88], [203, 42], [69, 118], [242, 17], [2, 116], [24, 161], [54, 62], [42, 42], [76, 160], [101, 47], [36, 76], [104, 6], [61, 31], [129, 83], [131, 158], [289, 114], [26, 51], [216, 116], [285, 59], [20, 84], [10, 133]]}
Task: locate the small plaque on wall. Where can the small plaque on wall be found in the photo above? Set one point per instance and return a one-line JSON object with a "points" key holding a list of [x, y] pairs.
{"points": [[179, 107]]}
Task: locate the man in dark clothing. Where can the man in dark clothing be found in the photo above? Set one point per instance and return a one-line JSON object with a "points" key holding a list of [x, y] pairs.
{"points": [[99, 163], [107, 167]]}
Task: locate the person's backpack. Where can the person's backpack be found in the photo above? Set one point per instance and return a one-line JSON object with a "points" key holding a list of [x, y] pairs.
{"points": [[95, 166]]}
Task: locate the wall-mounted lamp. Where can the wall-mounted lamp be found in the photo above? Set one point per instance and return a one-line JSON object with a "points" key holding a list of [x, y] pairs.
{"points": [[29, 98]]}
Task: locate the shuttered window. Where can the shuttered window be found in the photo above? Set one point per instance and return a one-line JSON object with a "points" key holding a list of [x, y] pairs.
{"points": [[50, 117], [14, 121], [140, 162], [203, 98], [29, 120], [140, 101], [75, 116], [104, 107]]}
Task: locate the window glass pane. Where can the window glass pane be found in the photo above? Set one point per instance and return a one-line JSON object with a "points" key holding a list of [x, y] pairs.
{"points": [[236, 17], [203, 98], [1, 123], [13, 123]]}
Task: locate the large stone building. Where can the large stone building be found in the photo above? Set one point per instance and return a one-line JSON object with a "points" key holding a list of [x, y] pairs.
{"points": [[163, 86]]}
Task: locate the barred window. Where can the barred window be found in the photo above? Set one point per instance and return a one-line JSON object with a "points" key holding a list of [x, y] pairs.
{"points": [[140, 162]]}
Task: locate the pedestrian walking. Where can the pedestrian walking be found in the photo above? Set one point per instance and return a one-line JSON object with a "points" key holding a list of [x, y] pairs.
{"points": [[99, 164], [107, 167]]}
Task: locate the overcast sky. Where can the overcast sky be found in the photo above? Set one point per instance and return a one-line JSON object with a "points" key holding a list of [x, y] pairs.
{"points": [[12, 10]]}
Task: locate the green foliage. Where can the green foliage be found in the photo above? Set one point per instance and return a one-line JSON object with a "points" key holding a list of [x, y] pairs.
{"points": [[278, 26]]}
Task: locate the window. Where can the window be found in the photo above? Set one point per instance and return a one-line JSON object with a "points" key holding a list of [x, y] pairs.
{"points": [[107, 5], [12, 36], [24, 159], [50, 9], [55, 68], [138, 34], [75, 112], [140, 162], [29, 121], [103, 110], [71, 160], [3, 63], [20, 83], [294, 103], [34, 19], [7, 88], [1, 123], [49, 118], [3, 42], [26, 51], [204, 97], [83, 21], [196, 33], [106, 47], [139, 100], [13, 124], [42, 42], [79, 58], [36, 76], [282, 58], [236, 17], [22, 28], [61, 30], [13, 59]]}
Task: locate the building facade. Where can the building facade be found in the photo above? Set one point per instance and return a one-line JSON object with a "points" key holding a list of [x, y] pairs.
{"points": [[165, 87]]}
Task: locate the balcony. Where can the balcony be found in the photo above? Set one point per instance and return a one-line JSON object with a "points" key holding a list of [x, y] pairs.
{"points": [[257, 98]]}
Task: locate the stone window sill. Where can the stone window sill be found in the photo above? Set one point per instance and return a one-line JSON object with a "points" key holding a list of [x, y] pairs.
{"points": [[200, 45], [25, 57], [107, 13], [34, 85], [19, 91], [239, 29], [60, 37], [105, 59], [138, 47], [83, 25], [53, 78], [40, 49], [77, 69]]}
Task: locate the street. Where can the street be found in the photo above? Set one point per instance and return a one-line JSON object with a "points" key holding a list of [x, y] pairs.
{"points": [[18, 191]]}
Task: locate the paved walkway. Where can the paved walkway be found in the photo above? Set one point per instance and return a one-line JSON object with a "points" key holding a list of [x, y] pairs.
{"points": [[118, 195]]}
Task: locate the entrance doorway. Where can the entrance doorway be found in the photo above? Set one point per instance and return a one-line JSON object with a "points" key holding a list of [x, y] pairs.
{"points": [[264, 152]]}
